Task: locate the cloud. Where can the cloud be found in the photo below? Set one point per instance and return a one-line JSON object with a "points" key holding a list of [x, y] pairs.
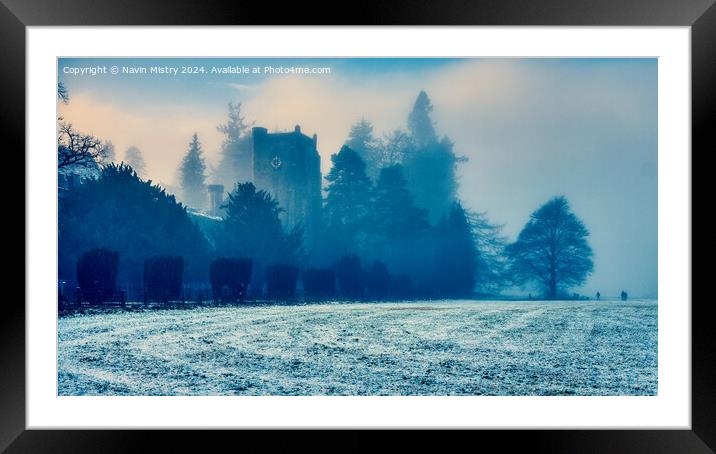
{"points": [[241, 87]]}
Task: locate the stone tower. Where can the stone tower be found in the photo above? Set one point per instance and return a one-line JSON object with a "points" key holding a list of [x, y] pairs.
{"points": [[288, 166]]}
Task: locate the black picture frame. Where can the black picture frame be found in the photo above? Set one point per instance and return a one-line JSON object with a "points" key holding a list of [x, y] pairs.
{"points": [[700, 15]]}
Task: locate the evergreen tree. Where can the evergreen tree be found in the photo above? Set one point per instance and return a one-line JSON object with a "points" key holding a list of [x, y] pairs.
{"points": [[236, 163], [252, 228], [109, 155], [348, 201], [134, 217], [400, 232], [432, 160], [436, 164], [362, 141], [192, 175], [456, 255], [393, 214], [134, 159], [397, 226], [420, 124]]}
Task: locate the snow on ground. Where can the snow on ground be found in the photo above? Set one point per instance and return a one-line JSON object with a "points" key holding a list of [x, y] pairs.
{"points": [[415, 348]]}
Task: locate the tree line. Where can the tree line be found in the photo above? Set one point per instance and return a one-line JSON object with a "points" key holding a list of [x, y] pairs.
{"points": [[392, 224]]}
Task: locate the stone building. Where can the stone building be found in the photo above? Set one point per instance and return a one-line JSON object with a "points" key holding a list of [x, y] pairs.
{"points": [[288, 166]]}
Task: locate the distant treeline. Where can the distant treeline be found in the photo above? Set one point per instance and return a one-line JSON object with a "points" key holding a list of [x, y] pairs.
{"points": [[392, 227]]}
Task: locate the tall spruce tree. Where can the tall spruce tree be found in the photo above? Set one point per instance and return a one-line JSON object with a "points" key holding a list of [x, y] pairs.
{"points": [[134, 159], [236, 162], [431, 175], [393, 214], [109, 155], [252, 228], [456, 254], [347, 204], [398, 228], [420, 123], [192, 175], [431, 167]]}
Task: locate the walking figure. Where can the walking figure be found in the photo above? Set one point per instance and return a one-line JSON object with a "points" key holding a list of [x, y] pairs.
{"points": [[598, 296], [624, 295]]}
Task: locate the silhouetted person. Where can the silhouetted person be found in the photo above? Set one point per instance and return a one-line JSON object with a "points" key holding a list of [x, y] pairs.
{"points": [[598, 296], [624, 295]]}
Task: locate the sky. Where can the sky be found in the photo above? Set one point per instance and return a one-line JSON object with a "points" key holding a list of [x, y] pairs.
{"points": [[530, 128]]}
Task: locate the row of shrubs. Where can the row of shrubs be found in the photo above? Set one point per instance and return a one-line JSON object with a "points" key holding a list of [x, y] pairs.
{"points": [[230, 279]]}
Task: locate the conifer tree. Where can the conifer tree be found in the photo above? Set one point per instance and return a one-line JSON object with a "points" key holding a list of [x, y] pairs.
{"points": [[420, 124], [252, 228], [432, 160], [139, 219], [394, 215], [348, 201], [236, 163], [398, 228], [134, 159], [192, 175], [456, 254], [109, 154]]}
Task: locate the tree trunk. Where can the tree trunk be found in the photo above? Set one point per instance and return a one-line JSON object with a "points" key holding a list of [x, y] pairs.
{"points": [[552, 289]]}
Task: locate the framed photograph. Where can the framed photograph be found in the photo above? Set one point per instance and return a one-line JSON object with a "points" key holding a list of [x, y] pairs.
{"points": [[471, 218]]}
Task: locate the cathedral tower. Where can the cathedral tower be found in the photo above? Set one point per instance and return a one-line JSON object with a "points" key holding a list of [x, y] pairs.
{"points": [[288, 166]]}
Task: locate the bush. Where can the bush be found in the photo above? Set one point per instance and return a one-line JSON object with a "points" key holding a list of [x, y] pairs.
{"points": [[400, 286], [350, 276], [119, 211], [377, 280], [163, 278], [230, 277], [281, 281], [319, 282], [97, 274]]}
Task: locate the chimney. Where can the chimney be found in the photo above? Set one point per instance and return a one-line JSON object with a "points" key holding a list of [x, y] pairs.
{"points": [[216, 198]]}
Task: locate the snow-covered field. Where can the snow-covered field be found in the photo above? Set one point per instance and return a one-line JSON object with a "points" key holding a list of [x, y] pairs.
{"points": [[416, 348]]}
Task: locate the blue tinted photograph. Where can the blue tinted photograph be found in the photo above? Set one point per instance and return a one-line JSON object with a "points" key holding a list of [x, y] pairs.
{"points": [[357, 226]]}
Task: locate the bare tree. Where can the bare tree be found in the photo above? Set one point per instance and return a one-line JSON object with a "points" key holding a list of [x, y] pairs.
{"points": [[76, 149], [552, 249], [62, 94]]}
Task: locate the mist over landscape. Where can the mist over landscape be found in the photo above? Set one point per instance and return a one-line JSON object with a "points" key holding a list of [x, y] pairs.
{"points": [[357, 226], [530, 130]]}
